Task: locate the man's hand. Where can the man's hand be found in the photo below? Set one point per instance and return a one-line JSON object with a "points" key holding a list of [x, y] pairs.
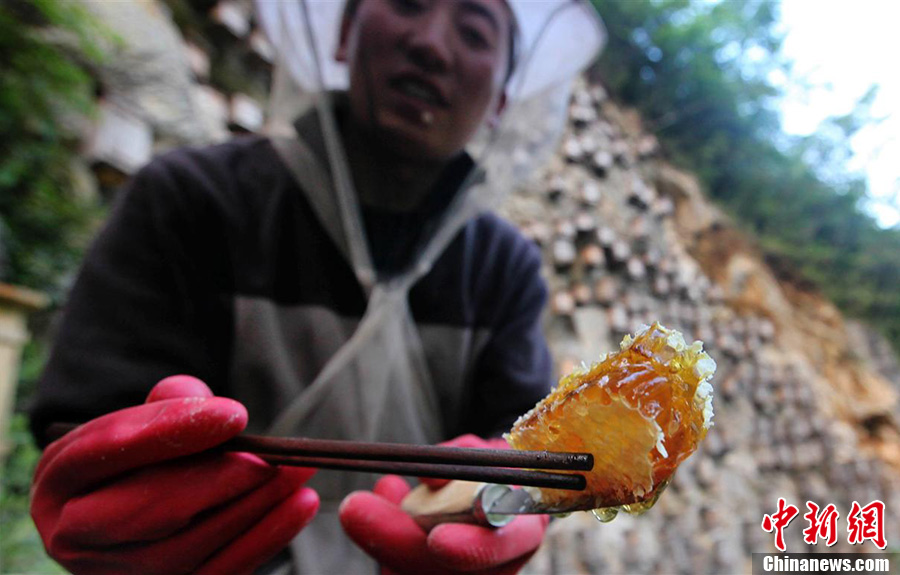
{"points": [[375, 522], [137, 491]]}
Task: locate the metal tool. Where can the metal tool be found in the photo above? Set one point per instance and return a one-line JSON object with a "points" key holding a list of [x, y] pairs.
{"points": [[486, 504]]}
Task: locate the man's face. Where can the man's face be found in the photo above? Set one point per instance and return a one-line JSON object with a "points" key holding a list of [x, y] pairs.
{"points": [[424, 74]]}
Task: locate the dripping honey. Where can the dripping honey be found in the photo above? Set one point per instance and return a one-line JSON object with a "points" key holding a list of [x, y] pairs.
{"points": [[618, 410]]}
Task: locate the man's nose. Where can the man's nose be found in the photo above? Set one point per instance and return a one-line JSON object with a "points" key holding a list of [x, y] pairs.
{"points": [[430, 42]]}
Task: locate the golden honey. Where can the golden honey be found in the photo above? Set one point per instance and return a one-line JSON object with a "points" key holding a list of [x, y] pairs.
{"points": [[640, 411]]}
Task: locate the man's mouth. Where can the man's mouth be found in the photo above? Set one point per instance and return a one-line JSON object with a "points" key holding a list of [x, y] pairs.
{"points": [[419, 89]]}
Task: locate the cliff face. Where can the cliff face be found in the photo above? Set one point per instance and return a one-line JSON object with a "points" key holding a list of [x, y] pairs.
{"points": [[806, 403], [806, 407]]}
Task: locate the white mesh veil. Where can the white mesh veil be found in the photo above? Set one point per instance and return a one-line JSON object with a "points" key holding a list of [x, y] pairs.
{"points": [[380, 375]]}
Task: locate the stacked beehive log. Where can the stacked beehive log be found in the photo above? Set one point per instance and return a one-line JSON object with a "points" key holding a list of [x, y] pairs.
{"points": [[614, 261]]}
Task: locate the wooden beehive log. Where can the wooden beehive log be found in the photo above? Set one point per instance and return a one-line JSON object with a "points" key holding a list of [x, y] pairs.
{"points": [[753, 324], [198, 61], [693, 292], [606, 129], [619, 149], [761, 432], [618, 318], [727, 343], [606, 236], [702, 284], [706, 471], [815, 452], [635, 268], [765, 377], [582, 115], [582, 294], [589, 144], [215, 108], [647, 145], [689, 315], [753, 344], [673, 311], [800, 428], [233, 16], [663, 206], [602, 162], [661, 286], [563, 254], [620, 251], [704, 315], [246, 115], [563, 303], [557, 188], [704, 332], [630, 302], [765, 459], [261, 47], [641, 195], [781, 426], [785, 456], [788, 392], [592, 256], [762, 397], [539, 232], [651, 258], [666, 265], [766, 330], [730, 387], [805, 397], [639, 228], [572, 150], [581, 97], [590, 194], [585, 225], [119, 145], [713, 444], [565, 228], [715, 294], [818, 424], [606, 290]]}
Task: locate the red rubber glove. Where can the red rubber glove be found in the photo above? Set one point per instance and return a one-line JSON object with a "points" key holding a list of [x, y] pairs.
{"points": [[133, 491], [375, 522]]}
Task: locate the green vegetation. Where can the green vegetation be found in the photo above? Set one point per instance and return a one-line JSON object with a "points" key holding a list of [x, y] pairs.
{"points": [[21, 550], [45, 47], [707, 78]]}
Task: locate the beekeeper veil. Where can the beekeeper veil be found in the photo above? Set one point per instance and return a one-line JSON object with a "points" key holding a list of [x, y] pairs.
{"points": [[378, 386]]}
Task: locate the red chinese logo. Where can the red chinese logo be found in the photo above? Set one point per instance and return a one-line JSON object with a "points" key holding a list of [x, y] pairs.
{"points": [[779, 521], [863, 523], [822, 525], [866, 523]]}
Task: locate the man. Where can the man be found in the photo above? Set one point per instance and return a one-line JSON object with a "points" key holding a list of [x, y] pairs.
{"points": [[363, 298]]}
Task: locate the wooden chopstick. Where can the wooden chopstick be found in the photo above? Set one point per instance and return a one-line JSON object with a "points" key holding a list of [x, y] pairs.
{"points": [[404, 459], [573, 481]]}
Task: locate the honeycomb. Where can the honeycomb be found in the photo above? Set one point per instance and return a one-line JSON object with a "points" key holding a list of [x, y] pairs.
{"points": [[640, 411]]}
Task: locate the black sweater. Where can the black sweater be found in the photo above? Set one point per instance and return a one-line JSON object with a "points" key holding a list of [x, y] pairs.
{"points": [[200, 232]]}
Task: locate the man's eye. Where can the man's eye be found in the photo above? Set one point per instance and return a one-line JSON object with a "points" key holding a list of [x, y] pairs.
{"points": [[474, 37], [407, 6]]}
